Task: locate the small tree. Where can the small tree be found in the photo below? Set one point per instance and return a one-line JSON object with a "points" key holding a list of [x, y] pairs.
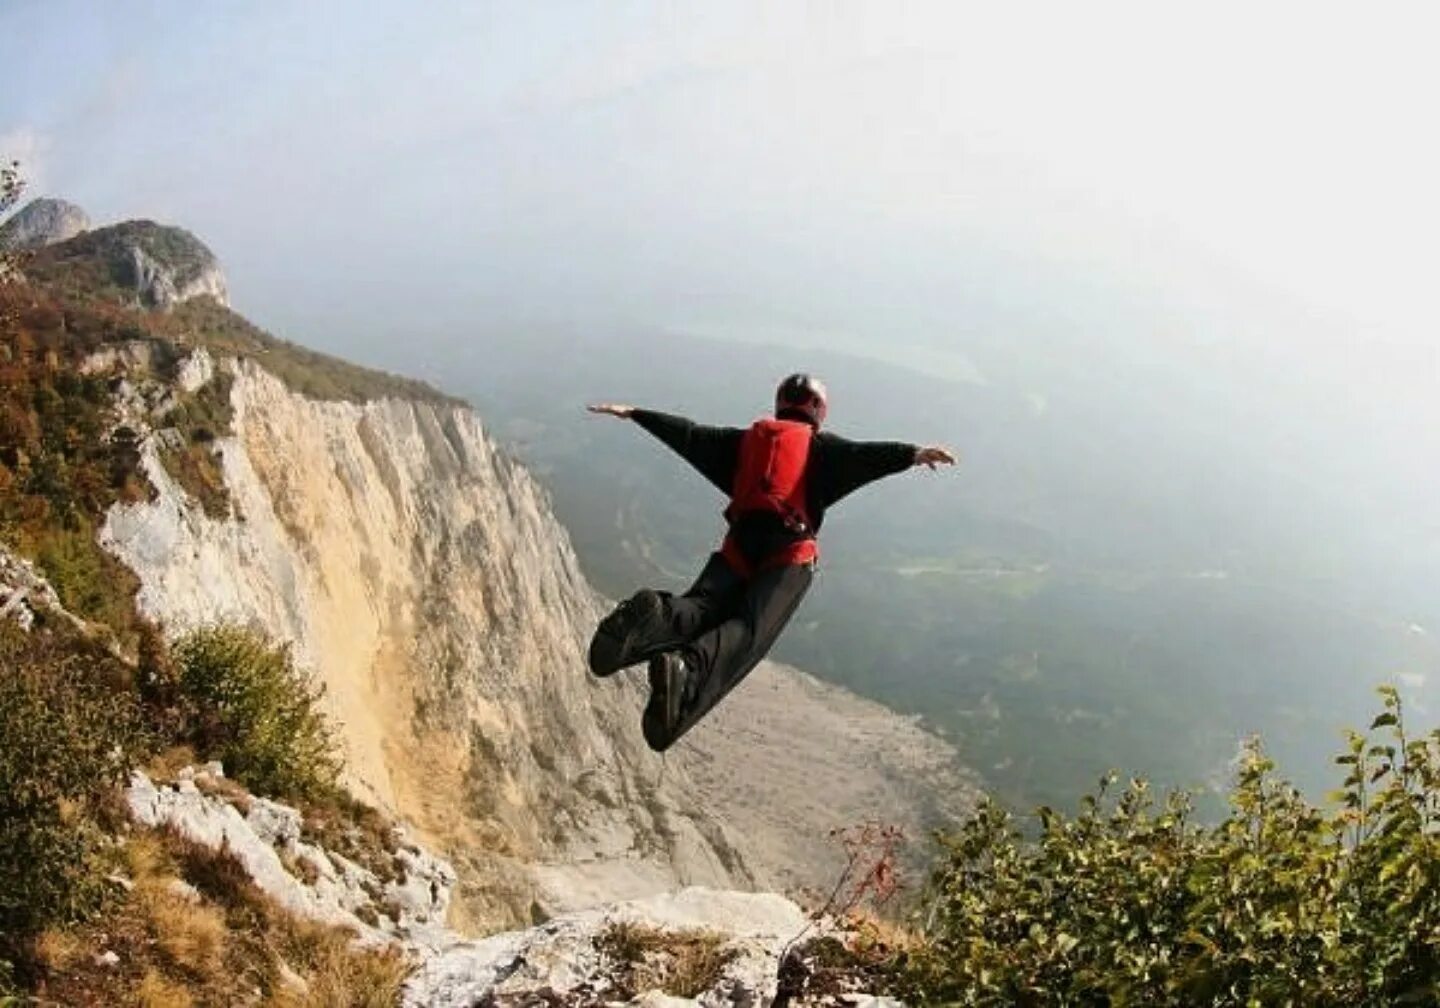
{"points": [[252, 708], [69, 731], [11, 186]]}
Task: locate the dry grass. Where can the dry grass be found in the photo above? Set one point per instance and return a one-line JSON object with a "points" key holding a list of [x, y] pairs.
{"points": [[339, 973], [231, 946], [56, 949], [227, 790], [679, 963], [301, 867], [347, 826], [155, 991], [146, 856], [872, 936], [192, 936], [164, 767]]}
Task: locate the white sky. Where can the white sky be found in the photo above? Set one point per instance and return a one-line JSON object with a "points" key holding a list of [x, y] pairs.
{"points": [[1193, 171]]}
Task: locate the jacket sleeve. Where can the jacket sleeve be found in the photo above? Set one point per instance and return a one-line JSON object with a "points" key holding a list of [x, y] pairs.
{"points": [[849, 465], [714, 451]]}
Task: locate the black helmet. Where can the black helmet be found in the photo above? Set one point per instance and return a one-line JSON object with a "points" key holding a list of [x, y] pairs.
{"points": [[805, 395]]}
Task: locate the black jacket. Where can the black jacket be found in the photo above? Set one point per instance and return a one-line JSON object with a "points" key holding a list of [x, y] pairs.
{"points": [[837, 467]]}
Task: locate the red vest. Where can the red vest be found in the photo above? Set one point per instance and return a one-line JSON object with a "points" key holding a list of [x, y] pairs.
{"points": [[771, 479]]}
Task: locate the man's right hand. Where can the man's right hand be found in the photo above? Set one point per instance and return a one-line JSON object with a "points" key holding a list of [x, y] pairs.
{"points": [[612, 409]]}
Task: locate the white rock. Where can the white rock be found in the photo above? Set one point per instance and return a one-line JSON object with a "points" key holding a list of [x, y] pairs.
{"points": [[257, 841], [42, 222], [278, 825], [291, 979], [196, 370], [108, 958], [22, 588], [562, 956], [659, 999]]}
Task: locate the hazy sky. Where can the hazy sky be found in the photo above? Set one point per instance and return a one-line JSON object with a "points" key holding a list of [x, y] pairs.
{"points": [[1258, 176]]}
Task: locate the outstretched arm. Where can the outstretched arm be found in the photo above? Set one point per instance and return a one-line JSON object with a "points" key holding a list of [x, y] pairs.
{"points": [[849, 465], [713, 451]]}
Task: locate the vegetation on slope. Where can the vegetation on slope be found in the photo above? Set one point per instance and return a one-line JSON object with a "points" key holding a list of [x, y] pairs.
{"points": [[61, 467], [188, 451], [64, 461], [1131, 903], [11, 186], [202, 322], [78, 272], [190, 929], [76, 880], [72, 728]]}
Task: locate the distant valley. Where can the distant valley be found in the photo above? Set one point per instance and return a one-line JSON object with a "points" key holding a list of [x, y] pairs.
{"points": [[1101, 584]]}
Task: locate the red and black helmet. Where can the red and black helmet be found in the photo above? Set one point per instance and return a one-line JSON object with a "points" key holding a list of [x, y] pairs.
{"points": [[805, 395]]}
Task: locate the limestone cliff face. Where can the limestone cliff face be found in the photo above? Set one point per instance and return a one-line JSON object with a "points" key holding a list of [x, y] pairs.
{"points": [[420, 573], [141, 262], [42, 222]]}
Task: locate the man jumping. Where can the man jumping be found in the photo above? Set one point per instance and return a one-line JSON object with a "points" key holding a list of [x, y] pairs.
{"points": [[780, 474]]}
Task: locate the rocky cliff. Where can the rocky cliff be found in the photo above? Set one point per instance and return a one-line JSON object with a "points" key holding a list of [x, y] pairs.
{"points": [[148, 264], [420, 573], [42, 222]]}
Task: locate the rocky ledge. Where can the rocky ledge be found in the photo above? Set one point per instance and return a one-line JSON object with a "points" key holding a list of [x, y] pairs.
{"points": [[404, 899], [695, 947]]}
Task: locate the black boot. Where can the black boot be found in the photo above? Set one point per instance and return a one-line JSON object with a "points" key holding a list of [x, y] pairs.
{"points": [[669, 681], [614, 645]]}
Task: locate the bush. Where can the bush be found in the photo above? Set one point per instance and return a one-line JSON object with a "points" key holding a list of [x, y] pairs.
{"points": [[255, 711], [70, 728], [200, 417], [1128, 903], [683, 964]]}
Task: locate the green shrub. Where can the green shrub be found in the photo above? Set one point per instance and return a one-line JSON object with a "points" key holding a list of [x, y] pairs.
{"points": [[255, 711], [69, 730], [89, 580], [200, 417], [1130, 903]]}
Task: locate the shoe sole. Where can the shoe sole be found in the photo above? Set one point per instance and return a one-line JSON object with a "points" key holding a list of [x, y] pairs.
{"points": [[661, 711], [614, 637]]}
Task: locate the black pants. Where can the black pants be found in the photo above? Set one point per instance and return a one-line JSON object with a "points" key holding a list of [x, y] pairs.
{"points": [[722, 627]]}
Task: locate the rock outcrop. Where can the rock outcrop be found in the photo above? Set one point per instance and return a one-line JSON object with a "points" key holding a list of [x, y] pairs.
{"points": [[408, 905], [147, 264], [166, 266], [162, 265], [23, 590], [42, 222], [625, 953]]}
